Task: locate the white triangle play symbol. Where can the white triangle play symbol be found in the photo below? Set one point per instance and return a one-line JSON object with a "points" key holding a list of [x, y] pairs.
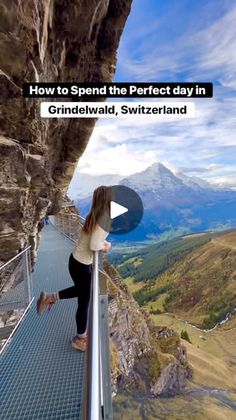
{"points": [[116, 210]]}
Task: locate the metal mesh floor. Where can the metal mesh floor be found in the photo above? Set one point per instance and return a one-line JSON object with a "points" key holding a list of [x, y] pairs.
{"points": [[41, 375]]}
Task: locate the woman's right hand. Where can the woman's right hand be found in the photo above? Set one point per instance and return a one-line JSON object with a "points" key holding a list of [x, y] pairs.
{"points": [[106, 246]]}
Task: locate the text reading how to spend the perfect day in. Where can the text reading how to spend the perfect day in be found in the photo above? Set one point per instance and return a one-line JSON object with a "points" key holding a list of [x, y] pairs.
{"points": [[118, 90]]}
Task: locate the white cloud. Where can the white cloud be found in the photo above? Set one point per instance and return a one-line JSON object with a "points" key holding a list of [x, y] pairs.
{"points": [[125, 146], [122, 159], [224, 181], [207, 53]]}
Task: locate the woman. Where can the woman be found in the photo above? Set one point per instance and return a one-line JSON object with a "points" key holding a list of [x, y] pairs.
{"points": [[92, 238]]}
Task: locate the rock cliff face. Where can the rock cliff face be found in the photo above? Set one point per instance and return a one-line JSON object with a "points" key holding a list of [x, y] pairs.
{"points": [[46, 40], [145, 359]]}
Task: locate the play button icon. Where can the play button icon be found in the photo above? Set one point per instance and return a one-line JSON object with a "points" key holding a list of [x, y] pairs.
{"points": [[117, 210], [126, 211]]}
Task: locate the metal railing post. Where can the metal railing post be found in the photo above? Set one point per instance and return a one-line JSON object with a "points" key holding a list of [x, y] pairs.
{"points": [[27, 256], [93, 395], [105, 359], [69, 227]]}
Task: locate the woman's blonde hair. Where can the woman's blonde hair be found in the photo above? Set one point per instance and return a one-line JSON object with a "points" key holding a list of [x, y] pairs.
{"points": [[102, 198]]}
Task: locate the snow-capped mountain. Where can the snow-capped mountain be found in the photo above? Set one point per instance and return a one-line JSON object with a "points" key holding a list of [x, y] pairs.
{"points": [[173, 202], [156, 178], [194, 182]]}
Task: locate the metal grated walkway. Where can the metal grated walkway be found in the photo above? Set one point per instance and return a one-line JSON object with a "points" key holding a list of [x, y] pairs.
{"points": [[41, 376]]}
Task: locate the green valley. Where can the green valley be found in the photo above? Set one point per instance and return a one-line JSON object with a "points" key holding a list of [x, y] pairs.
{"points": [[156, 258], [192, 277], [188, 285]]}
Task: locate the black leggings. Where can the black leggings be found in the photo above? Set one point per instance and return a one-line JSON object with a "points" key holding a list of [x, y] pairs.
{"points": [[81, 276]]}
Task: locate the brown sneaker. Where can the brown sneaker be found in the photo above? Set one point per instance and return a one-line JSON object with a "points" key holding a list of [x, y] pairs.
{"points": [[79, 343], [44, 301]]}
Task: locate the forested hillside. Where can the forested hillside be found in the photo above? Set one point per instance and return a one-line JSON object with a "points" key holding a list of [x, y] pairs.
{"points": [[193, 277], [149, 262]]}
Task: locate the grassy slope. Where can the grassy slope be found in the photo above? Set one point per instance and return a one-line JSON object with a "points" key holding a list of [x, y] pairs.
{"points": [[178, 408], [203, 284], [133, 287], [149, 262], [209, 273], [212, 355], [199, 287]]}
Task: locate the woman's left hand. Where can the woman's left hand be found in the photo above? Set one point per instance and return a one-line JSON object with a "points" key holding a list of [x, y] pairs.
{"points": [[106, 247]]}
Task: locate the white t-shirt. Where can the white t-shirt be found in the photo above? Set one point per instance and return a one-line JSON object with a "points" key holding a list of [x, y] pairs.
{"points": [[89, 242]]}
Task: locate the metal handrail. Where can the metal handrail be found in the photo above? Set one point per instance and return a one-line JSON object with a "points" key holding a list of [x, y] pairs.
{"points": [[11, 304], [93, 393], [14, 258], [93, 408], [28, 268]]}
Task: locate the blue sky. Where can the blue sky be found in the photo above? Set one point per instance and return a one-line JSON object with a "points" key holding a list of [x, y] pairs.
{"points": [[171, 41]]}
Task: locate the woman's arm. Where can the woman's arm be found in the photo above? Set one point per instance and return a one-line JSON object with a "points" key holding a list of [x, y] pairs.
{"points": [[97, 240]]}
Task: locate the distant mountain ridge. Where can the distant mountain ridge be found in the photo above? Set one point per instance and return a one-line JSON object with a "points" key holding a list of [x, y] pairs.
{"points": [[158, 175], [173, 203], [195, 182]]}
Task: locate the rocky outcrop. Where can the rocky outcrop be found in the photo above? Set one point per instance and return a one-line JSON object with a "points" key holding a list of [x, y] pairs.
{"points": [[172, 380], [145, 358], [128, 328], [46, 40]]}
